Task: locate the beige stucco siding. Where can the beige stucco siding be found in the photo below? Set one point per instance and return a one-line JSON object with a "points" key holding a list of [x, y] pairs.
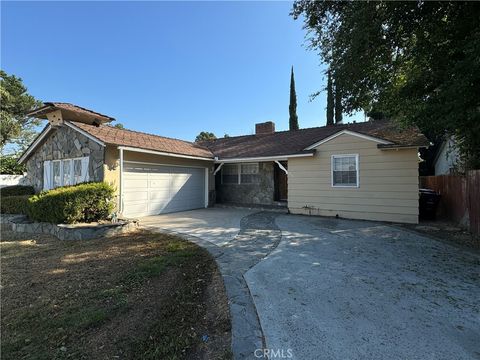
{"points": [[388, 183], [111, 167], [112, 164]]}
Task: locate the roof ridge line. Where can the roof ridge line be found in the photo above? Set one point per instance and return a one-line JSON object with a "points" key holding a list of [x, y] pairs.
{"points": [[302, 129], [150, 134]]}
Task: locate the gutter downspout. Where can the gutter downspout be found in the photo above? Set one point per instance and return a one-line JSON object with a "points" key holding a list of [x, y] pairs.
{"points": [[121, 181]]}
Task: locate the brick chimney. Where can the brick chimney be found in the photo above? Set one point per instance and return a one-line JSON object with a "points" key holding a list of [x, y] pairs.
{"points": [[265, 128]]}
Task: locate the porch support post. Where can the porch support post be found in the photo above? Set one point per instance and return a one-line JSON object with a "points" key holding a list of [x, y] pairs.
{"points": [[218, 169], [281, 167]]}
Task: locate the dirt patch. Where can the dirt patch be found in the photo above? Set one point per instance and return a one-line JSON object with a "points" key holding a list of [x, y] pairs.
{"points": [[140, 295], [447, 232]]}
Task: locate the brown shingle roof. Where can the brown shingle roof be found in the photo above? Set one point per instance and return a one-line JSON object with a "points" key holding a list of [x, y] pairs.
{"points": [[69, 108], [294, 142], [124, 137]]}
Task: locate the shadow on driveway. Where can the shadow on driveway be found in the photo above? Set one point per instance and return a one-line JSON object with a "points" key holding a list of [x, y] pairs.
{"points": [[344, 289]]}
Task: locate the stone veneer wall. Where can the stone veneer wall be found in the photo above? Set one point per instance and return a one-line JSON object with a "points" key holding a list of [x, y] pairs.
{"points": [[262, 193], [20, 224], [65, 143]]}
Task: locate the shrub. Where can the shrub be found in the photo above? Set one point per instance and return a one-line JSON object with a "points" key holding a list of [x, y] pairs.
{"points": [[16, 190], [69, 204], [14, 204]]}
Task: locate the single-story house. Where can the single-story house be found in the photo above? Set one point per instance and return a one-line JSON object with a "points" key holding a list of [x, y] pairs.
{"points": [[363, 170]]}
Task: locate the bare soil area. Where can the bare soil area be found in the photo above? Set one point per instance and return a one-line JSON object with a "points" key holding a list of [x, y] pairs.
{"points": [[137, 296], [448, 232]]}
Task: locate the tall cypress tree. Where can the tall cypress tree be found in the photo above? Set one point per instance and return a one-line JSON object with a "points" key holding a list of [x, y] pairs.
{"points": [[292, 108], [330, 100], [338, 104]]}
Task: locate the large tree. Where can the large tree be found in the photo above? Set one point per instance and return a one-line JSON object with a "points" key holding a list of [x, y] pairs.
{"points": [[17, 129], [416, 62], [205, 135], [330, 99], [292, 108]]}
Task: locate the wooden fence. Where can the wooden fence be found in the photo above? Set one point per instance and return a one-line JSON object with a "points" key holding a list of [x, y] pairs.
{"points": [[460, 197]]}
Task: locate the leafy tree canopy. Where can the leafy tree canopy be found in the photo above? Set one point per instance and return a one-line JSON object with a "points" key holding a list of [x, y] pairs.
{"points": [[417, 62], [205, 135], [16, 128], [9, 166]]}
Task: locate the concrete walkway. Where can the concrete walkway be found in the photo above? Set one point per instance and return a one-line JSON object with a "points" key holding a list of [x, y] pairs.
{"points": [[344, 289], [238, 239]]}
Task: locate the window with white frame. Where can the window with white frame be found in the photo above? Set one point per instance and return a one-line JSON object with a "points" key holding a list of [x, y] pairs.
{"points": [[242, 173], [345, 170], [65, 172]]}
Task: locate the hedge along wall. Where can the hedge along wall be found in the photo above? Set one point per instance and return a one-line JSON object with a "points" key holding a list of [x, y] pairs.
{"points": [[87, 202], [14, 204]]}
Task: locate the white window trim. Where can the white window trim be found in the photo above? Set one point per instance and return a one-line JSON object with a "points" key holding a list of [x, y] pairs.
{"points": [[72, 171], [357, 169]]}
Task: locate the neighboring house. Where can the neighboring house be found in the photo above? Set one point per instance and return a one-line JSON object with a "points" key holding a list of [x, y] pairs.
{"points": [[361, 170], [446, 159]]}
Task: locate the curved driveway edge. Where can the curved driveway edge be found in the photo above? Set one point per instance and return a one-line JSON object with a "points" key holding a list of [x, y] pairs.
{"points": [[345, 289], [257, 236]]}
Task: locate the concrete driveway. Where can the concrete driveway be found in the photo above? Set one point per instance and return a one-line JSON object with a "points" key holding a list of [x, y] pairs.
{"points": [[342, 289], [324, 288], [237, 239], [216, 225]]}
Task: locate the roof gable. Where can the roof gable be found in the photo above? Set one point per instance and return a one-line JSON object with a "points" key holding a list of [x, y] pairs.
{"points": [[348, 132]]}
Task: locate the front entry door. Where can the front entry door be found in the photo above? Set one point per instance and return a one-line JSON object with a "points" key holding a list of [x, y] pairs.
{"points": [[281, 183]]}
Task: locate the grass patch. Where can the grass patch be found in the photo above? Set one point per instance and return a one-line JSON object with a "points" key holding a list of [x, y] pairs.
{"points": [[83, 318], [143, 296]]}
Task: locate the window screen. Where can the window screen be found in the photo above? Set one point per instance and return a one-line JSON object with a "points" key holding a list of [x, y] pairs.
{"points": [[230, 174], [345, 170], [56, 171], [249, 173], [77, 171], [67, 172]]}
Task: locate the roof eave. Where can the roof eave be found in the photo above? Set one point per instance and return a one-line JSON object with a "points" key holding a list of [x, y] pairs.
{"points": [[283, 157], [34, 144], [162, 153], [401, 146]]}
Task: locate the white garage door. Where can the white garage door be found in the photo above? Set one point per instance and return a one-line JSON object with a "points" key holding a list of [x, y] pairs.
{"points": [[157, 189]]}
